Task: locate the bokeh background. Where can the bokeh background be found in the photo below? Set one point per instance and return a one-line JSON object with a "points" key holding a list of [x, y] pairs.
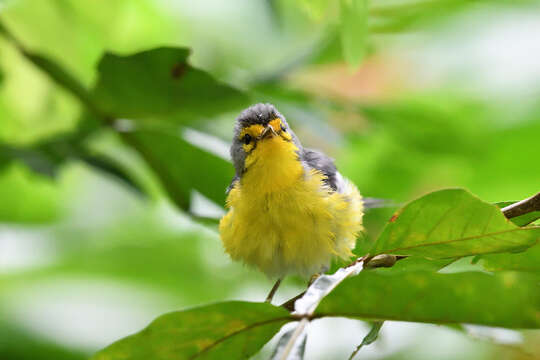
{"points": [[446, 94]]}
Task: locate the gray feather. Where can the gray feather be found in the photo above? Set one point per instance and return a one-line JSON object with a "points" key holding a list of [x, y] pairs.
{"points": [[317, 160]]}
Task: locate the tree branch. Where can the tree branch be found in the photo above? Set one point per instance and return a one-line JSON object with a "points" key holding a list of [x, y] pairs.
{"points": [[522, 207]]}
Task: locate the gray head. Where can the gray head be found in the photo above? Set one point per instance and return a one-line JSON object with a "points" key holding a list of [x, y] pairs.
{"points": [[253, 125]]}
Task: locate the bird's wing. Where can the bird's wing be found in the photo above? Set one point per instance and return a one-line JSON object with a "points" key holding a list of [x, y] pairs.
{"points": [[231, 185], [317, 160]]}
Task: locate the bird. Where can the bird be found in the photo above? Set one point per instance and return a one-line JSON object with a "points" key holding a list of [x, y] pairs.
{"points": [[289, 210]]}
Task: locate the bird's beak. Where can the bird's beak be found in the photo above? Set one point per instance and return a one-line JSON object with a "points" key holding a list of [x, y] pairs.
{"points": [[268, 131]]}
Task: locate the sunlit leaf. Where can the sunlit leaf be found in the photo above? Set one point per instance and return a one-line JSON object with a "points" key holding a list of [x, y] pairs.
{"points": [[506, 299], [451, 223], [230, 330], [316, 9], [27, 197], [354, 30]]}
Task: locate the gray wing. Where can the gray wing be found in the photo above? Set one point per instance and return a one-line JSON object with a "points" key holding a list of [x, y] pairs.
{"points": [[231, 185], [324, 164], [317, 160]]}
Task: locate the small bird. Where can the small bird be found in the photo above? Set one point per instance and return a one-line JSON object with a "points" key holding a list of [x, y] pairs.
{"points": [[289, 210]]}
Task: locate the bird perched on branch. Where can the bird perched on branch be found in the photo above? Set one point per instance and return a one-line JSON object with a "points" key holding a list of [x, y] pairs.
{"points": [[290, 210]]}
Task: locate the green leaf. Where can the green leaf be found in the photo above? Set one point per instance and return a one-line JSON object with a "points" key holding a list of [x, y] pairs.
{"points": [[451, 223], [182, 166], [229, 330], [371, 336], [416, 263], [160, 84], [506, 299], [528, 260], [354, 30]]}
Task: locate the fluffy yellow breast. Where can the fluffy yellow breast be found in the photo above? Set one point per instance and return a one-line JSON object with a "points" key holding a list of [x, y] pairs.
{"points": [[282, 219], [273, 165]]}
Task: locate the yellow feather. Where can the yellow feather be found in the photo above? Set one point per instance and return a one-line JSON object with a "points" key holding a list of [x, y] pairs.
{"points": [[283, 220]]}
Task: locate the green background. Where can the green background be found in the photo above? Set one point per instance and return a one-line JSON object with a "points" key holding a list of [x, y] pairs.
{"points": [[108, 206]]}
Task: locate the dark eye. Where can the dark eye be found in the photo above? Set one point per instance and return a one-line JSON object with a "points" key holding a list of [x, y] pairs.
{"points": [[283, 128], [246, 139]]}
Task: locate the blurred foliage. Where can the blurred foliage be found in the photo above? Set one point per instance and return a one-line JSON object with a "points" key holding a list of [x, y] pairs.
{"points": [[103, 106]]}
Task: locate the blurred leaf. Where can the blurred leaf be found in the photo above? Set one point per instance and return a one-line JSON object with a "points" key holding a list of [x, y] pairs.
{"points": [[47, 156], [75, 33], [182, 166], [521, 220], [401, 16], [504, 299], [316, 9], [27, 198], [16, 344], [51, 68], [354, 30], [229, 330], [451, 223], [42, 162], [114, 253], [153, 83], [160, 84]]}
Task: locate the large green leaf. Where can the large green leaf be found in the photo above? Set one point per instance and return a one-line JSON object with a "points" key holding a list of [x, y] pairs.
{"points": [[354, 28], [528, 260], [451, 223], [506, 299], [160, 84], [182, 167], [229, 330]]}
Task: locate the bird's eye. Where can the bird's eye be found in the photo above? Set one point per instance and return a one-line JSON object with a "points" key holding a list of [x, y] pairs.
{"points": [[283, 128], [246, 139]]}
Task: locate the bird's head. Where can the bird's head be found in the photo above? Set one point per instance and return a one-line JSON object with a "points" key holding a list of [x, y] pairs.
{"points": [[262, 135]]}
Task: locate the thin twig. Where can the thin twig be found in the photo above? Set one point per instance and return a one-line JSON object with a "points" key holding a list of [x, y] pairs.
{"points": [[522, 207], [270, 295]]}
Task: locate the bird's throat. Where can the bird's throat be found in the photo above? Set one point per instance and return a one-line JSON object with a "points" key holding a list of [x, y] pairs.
{"points": [[271, 167]]}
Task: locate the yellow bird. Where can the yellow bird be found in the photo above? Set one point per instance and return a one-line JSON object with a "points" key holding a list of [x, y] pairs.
{"points": [[289, 210]]}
